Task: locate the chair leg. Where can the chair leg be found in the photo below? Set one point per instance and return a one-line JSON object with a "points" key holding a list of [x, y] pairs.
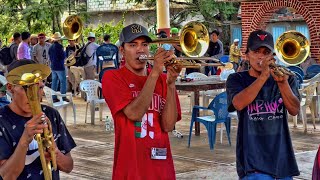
{"points": [[190, 132], [92, 110], [74, 115], [213, 135], [228, 130], [100, 111], [295, 121], [65, 114], [85, 120], [221, 132], [304, 118]]}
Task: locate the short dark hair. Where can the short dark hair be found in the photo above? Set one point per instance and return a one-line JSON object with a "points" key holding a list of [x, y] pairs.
{"points": [[215, 31], [25, 35], [162, 34], [106, 37], [16, 35], [89, 38]]}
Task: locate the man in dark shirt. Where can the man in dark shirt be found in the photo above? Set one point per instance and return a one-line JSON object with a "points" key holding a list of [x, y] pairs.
{"points": [[14, 45], [262, 100], [19, 156], [215, 50], [57, 56]]}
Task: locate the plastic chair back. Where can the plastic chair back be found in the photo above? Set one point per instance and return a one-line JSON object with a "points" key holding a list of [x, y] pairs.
{"points": [[312, 71], [224, 58], [219, 105], [107, 52], [103, 71], [297, 69], [90, 87]]}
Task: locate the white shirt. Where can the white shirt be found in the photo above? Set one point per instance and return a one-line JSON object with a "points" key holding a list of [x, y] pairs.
{"points": [[90, 51]]}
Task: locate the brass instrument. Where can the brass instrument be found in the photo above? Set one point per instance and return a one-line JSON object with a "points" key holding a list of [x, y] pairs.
{"points": [[194, 41], [28, 76], [292, 48], [72, 29]]}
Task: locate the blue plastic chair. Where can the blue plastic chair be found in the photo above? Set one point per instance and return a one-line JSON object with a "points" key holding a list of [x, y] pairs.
{"points": [[219, 107], [106, 53], [224, 58], [296, 69], [312, 71]]}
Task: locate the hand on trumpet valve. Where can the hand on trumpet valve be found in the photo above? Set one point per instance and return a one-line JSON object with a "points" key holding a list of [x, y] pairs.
{"points": [[33, 127], [161, 58]]}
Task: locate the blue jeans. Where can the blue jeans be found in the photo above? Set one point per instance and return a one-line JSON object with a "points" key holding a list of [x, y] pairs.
{"points": [[56, 77], [261, 176], [211, 69]]}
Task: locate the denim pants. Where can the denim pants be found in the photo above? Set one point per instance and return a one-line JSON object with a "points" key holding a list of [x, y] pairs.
{"points": [[59, 76], [261, 176]]}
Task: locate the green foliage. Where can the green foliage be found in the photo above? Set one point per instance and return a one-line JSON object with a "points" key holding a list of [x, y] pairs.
{"points": [[105, 28]]}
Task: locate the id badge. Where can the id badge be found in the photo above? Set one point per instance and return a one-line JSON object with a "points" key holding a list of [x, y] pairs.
{"points": [[158, 153]]}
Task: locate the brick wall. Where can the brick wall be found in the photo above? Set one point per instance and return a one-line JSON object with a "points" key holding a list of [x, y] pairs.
{"points": [[256, 13]]}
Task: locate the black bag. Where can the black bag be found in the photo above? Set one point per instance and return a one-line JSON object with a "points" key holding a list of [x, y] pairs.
{"points": [[5, 56], [83, 58]]}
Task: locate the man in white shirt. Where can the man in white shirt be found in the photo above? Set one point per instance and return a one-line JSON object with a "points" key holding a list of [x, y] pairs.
{"points": [[41, 50], [89, 68]]}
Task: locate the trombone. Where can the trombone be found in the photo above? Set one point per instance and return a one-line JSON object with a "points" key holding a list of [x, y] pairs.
{"points": [[194, 41]]}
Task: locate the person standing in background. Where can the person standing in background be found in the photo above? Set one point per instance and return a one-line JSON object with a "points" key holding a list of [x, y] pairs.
{"points": [[57, 56], [14, 45], [24, 48], [235, 54], [92, 46], [215, 50], [41, 50]]}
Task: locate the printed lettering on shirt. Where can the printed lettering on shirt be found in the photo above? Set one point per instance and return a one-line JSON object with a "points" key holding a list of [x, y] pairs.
{"points": [[145, 127], [265, 110], [157, 103]]}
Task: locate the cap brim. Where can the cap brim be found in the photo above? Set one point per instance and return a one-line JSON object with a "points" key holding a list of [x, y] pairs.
{"points": [[257, 46], [135, 37]]}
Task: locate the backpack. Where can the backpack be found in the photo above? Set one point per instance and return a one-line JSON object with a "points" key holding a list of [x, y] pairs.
{"points": [[5, 56], [83, 58]]}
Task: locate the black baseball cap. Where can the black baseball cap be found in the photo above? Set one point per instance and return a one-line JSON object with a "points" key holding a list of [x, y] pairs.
{"points": [[260, 38], [132, 32]]}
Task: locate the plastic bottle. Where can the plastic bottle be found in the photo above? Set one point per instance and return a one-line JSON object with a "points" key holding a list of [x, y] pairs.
{"points": [[108, 123]]}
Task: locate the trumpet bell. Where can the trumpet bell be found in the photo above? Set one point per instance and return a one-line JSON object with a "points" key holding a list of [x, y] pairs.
{"points": [[72, 27], [194, 39], [292, 48]]}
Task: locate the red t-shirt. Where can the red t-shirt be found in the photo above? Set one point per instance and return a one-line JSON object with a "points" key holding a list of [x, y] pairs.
{"points": [[133, 142]]}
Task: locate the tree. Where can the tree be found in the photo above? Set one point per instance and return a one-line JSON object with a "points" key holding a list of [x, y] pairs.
{"points": [[214, 13]]}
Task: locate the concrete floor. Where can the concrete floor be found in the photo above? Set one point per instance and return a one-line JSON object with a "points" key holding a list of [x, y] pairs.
{"points": [[93, 156]]}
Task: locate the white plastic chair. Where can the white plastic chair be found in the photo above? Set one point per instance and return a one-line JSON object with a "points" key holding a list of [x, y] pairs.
{"points": [[91, 87], [4, 81], [307, 94], [60, 104]]}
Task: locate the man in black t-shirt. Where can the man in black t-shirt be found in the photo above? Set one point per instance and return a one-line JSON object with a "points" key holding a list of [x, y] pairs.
{"points": [[262, 100], [19, 156], [215, 50]]}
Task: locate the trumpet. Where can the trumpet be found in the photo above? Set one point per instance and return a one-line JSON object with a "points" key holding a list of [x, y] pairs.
{"points": [[292, 48], [194, 41], [28, 76]]}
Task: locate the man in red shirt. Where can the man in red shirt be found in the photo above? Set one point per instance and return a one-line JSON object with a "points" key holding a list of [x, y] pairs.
{"points": [[145, 107]]}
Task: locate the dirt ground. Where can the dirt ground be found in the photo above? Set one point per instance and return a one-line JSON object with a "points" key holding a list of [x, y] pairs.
{"points": [[93, 156]]}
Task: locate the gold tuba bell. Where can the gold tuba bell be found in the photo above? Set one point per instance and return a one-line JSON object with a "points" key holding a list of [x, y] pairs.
{"points": [[194, 41], [292, 48], [72, 29], [28, 76]]}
